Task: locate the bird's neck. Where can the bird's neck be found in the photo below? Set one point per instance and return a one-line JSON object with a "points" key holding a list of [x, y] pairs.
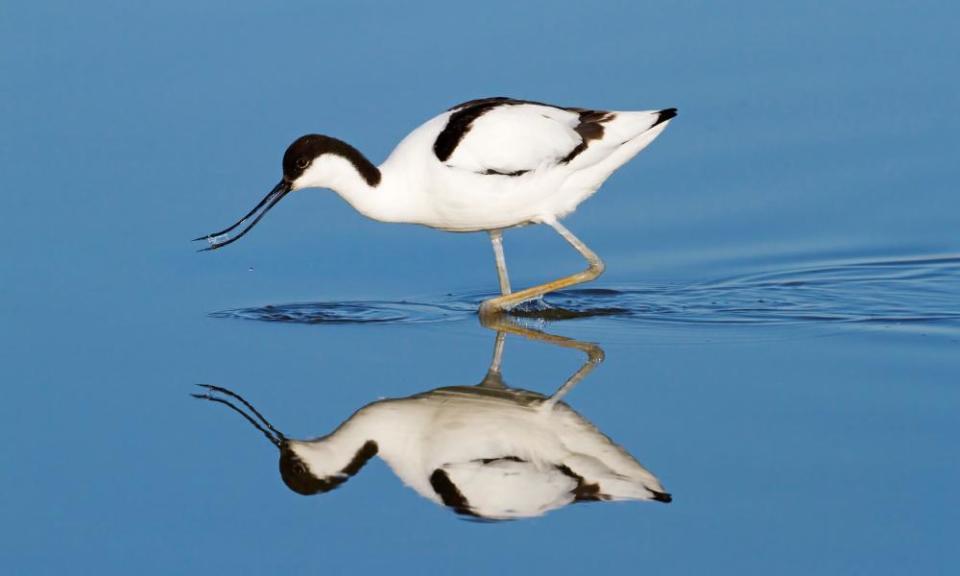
{"points": [[377, 193], [332, 454], [391, 424]]}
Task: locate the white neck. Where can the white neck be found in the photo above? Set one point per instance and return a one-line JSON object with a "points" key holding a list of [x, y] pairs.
{"points": [[330, 454], [386, 201]]}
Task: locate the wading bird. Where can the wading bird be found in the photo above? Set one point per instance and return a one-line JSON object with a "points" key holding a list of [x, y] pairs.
{"points": [[484, 165]]}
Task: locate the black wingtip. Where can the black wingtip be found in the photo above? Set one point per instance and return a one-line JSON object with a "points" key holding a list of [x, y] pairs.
{"points": [[665, 114], [662, 497]]}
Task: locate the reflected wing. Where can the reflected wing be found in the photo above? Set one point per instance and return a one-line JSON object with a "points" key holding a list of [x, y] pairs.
{"points": [[502, 489]]}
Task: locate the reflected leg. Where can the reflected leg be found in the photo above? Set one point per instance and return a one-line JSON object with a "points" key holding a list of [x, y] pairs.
{"points": [[494, 379], [504, 324]]}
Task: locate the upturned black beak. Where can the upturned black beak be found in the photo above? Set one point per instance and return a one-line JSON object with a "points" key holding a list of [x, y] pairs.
{"points": [[222, 238], [216, 393]]}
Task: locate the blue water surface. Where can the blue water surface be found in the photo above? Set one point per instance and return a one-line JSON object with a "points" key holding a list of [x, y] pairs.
{"points": [[783, 282]]}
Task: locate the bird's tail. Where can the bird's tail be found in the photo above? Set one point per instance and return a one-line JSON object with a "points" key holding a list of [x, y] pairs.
{"points": [[624, 136], [627, 126]]}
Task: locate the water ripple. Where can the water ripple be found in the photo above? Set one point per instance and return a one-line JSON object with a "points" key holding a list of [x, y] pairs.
{"points": [[889, 291]]}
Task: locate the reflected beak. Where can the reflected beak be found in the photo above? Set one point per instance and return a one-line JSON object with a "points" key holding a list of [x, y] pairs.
{"points": [[259, 422], [222, 238]]}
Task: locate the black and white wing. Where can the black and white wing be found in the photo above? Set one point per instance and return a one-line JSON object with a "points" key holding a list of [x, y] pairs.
{"points": [[506, 136], [502, 488]]}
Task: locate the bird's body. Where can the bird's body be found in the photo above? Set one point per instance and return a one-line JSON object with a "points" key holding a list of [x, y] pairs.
{"points": [[508, 169], [484, 165], [494, 453]]}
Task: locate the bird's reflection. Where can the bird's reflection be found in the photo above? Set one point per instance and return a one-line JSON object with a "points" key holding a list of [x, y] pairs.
{"points": [[486, 451]]}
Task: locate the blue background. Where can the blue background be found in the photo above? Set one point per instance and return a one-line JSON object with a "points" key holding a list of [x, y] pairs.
{"points": [[808, 136]]}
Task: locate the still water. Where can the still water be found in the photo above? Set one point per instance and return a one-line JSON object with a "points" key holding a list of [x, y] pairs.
{"points": [[774, 343]]}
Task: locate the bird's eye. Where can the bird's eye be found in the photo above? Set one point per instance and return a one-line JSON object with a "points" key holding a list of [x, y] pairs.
{"points": [[302, 163]]}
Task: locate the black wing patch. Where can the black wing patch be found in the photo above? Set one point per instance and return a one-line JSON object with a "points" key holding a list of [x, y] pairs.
{"points": [[500, 459], [492, 172], [449, 494], [461, 121], [589, 129], [464, 115], [587, 492], [665, 114], [582, 492]]}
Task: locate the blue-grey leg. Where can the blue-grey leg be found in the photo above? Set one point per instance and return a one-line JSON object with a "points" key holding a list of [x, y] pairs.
{"points": [[496, 238], [504, 324], [509, 300], [493, 379]]}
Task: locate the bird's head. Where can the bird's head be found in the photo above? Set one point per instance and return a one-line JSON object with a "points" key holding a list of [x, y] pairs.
{"points": [[306, 467], [314, 467], [311, 161]]}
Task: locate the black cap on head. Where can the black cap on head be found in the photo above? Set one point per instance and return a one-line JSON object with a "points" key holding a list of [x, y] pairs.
{"points": [[298, 477], [305, 149], [302, 153]]}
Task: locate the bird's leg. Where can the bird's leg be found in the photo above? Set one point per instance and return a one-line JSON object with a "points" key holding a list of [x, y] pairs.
{"points": [[494, 379], [504, 324], [496, 238], [497, 359], [507, 301], [594, 357]]}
